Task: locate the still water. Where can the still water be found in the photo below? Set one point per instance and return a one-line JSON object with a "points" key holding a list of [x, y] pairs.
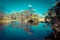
{"points": [[16, 31]]}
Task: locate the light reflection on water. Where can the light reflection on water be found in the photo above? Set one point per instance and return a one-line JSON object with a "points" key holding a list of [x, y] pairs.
{"points": [[17, 30]]}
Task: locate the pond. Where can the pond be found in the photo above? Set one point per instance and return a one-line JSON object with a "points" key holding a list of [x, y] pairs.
{"points": [[15, 31]]}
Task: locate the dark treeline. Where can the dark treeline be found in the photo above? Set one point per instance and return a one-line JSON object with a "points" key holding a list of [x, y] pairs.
{"points": [[54, 18]]}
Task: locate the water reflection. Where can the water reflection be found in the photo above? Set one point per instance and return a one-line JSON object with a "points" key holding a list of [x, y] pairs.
{"points": [[25, 30], [24, 25]]}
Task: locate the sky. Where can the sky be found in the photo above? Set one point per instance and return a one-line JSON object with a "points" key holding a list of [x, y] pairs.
{"points": [[40, 6]]}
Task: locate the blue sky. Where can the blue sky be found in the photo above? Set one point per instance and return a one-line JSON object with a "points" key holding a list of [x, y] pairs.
{"points": [[41, 6]]}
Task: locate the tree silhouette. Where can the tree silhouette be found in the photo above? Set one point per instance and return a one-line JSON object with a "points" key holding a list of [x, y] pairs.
{"points": [[55, 20]]}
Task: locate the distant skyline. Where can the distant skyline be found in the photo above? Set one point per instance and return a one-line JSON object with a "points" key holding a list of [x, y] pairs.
{"points": [[40, 6]]}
